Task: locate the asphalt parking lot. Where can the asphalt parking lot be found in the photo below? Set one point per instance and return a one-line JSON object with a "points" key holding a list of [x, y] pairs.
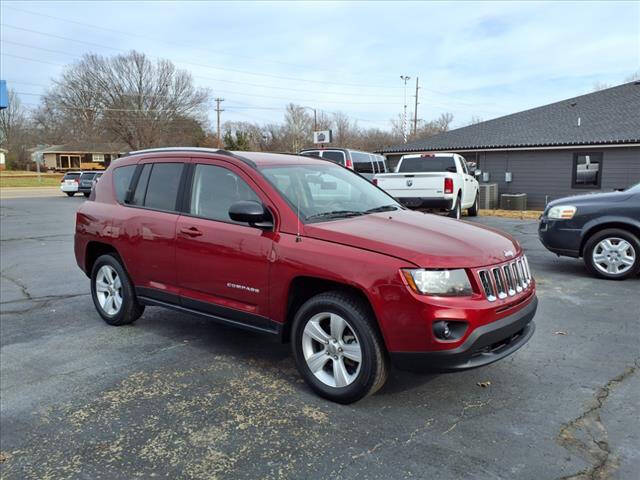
{"points": [[174, 396]]}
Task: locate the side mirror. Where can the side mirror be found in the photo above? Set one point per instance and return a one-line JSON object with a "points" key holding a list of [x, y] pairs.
{"points": [[253, 213], [477, 173]]}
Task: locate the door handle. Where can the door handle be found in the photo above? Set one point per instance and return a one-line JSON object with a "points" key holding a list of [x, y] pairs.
{"points": [[191, 232]]}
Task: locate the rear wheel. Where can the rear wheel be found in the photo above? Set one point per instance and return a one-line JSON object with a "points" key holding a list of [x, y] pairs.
{"points": [[112, 292], [473, 210], [612, 254], [456, 211], [71, 194], [86, 194], [337, 347]]}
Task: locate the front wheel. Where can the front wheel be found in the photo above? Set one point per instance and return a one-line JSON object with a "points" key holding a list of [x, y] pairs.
{"points": [[456, 211], [337, 347], [473, 210], [112, 292], [613, 254], [86, 194]]}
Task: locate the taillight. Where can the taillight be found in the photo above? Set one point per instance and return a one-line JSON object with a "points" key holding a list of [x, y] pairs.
{"points": [[448, 185], [349, 164], [77, 180], [374, 181]]}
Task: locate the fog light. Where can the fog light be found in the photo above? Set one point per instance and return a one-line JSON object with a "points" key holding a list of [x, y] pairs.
{"points": [[442, 330]]}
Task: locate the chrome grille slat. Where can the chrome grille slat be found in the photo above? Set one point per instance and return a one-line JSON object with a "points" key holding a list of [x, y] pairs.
{"points": [[516, 276], [498, 281], [487, 285], [511, 286]]}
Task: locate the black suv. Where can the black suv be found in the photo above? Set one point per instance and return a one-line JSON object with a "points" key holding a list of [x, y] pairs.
{"points": [[603, 229], [85, 183]]}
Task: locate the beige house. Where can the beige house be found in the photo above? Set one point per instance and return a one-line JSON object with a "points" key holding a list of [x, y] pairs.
{"points": [[80, 157], [3, 155]]}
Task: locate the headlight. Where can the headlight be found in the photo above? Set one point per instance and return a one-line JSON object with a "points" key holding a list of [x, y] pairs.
{"points": [[453, 283], [562, 212]]}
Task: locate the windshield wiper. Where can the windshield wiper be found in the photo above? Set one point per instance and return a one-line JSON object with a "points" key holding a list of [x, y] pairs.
{"points": [[335, 214], [382, 208]]}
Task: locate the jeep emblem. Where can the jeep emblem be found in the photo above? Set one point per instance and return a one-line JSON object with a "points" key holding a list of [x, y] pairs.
{"points": [[409, 183]]}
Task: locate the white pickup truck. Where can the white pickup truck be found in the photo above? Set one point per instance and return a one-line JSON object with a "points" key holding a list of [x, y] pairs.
{"points": [[434, 181]]}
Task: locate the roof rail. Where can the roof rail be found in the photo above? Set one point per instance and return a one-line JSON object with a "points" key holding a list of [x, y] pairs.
{"points": [[220, 151]]}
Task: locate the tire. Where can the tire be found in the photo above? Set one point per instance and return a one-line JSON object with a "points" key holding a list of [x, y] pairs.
{"points": [[86, 194], [71, 194], [359, 335], [128, 310], [456, 211], [619, 251], [473, 210]]}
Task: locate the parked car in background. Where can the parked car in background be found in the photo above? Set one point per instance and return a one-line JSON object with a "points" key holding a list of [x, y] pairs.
{"points": [[435, 181], [70, 182], [86, 181], [366, 164], [602, 228], [96, 178], [268, 242]]}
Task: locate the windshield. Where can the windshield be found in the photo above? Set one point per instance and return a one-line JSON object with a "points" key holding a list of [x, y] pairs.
{"points": [[326, 192], [427, 164]]}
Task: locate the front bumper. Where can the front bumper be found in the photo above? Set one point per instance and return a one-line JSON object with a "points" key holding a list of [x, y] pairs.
{"points": [[486, 344], [436, 203], [558, 237]]}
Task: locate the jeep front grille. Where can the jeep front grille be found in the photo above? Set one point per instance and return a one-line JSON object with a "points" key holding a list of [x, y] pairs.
{"points": [[505, 280]]}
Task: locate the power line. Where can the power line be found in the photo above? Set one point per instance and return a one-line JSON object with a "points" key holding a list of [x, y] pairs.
{"points": [[186, 62], [238, 82], [190, 45]]}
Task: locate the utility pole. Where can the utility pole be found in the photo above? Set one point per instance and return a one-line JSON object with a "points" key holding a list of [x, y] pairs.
{"points": [[415, 111], [405, 79], [218, 111]]}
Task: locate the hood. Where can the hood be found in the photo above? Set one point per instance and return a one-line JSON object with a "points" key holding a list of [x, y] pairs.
{"points": [[426, 240], [591, 198]]}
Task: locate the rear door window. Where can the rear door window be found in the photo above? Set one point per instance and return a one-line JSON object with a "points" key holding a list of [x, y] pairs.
{"points": [[122, 180], [335, 156], [162, 187], [427, 164]]}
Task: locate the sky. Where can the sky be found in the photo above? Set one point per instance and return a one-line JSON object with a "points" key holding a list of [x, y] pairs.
{"points": [[476, 59]]}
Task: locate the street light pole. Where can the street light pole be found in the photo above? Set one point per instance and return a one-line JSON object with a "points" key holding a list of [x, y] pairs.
{"points": [[405, 79]]}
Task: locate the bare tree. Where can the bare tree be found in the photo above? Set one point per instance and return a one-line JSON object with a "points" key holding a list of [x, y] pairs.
{"points": [[475, 120], [12, 119], [14, 132], [633, 77], [298, 126], [136, 101]]}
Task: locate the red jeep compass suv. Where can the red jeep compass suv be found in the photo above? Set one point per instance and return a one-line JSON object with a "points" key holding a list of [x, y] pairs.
{"points": [[307, 250]]}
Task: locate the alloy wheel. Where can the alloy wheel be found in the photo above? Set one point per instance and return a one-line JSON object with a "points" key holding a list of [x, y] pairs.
{"points": [[613, 256], [109, 290], [331, 349]]}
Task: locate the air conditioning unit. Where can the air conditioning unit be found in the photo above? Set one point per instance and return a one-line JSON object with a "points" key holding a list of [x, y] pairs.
{"points": [[513, 201], [488, 198]]}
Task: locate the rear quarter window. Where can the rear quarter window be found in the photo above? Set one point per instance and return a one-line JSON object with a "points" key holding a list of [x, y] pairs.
{"points": [[122, 180], [427, 164]]}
